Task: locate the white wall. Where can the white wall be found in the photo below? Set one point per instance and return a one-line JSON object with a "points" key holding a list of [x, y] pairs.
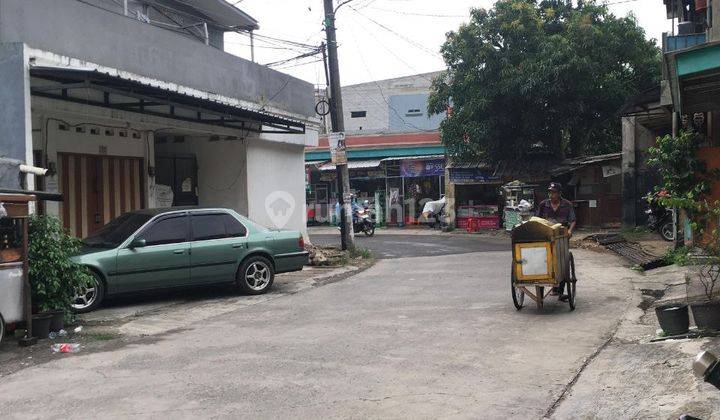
{"points": [[274, 171], [222, 170], [239, 174], [70, 141], [374, 97]]}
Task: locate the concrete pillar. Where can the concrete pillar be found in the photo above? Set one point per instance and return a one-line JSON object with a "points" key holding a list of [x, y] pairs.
{"points": [[714, 30], [15, 114], [629, 172]]}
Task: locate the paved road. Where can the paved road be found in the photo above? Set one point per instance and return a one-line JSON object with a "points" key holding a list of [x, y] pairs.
{"points": [[396, 245], [427, 337]]}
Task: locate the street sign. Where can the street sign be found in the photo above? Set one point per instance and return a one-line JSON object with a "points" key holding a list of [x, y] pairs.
{"points": [[338, 151]]}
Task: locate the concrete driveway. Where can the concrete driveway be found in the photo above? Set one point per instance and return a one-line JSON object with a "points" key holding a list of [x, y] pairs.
{"points": [[422, 337]]}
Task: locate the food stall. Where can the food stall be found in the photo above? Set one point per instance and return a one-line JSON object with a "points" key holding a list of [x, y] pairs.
{"points": [[477, 217], [15, 303], [515, 192]]}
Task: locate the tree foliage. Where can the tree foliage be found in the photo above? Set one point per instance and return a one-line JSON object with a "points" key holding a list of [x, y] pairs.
{"points": [[527, 76]]}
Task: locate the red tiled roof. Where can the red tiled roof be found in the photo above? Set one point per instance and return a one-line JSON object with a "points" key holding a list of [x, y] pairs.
{"points": [[378, 140]]}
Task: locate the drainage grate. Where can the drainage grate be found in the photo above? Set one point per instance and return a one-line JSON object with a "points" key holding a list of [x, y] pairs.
{"points": [[630, 251]]}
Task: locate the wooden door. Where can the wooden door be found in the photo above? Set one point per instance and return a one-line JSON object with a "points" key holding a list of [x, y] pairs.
{"points": [[97, 189]]}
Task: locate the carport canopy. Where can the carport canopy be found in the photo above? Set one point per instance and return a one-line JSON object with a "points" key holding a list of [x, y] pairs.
{"points": [[161, 99]]}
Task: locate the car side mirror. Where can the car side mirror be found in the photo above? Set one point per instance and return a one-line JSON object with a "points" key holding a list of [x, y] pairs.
{"points": [[138, 243]]}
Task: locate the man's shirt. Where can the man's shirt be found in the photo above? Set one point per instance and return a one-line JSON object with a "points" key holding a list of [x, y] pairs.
{"points": [[564, 214]]}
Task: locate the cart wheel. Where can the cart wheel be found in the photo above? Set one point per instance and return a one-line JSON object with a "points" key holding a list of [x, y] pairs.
{"points": [[571, 283], [540, 293], [517, 294]]}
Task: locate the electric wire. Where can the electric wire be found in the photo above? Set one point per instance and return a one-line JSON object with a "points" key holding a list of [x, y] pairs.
{"points": [[399, 12], [382, 93], [406, 39]]}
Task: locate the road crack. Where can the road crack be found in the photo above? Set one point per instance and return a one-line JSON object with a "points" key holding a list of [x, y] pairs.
{"points": [[568, 387]]}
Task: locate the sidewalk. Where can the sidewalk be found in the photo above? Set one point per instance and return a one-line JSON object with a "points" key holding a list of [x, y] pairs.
{"points": [[630, 377]]}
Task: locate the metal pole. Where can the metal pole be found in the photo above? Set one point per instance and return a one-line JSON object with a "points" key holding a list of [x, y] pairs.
{"points": [[125, 7], [207, 33], [677, 215], [27, 298], [336, 114]]}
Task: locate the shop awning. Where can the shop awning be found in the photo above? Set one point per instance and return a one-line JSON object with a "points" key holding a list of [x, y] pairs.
{"points": [[315, 162], [125, 92], [425, 157], [694, 75], [353, 164], [571, 165]]}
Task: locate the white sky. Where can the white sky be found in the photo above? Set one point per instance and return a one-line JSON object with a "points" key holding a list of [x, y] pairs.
{"points": [[370, 52]]}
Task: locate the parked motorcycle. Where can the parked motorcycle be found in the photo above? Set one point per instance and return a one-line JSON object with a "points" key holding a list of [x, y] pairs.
{"points": [[660, 218], [364, 221], [434, 211]]}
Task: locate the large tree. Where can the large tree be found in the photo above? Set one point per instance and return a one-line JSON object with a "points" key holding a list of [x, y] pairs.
{"points": [[529, 76]]}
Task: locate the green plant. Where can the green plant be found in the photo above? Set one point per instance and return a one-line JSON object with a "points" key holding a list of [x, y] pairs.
{"points": [[53, 276], [363, 253], [101, 336], [680, 256], [687, 182], [685, 176]]}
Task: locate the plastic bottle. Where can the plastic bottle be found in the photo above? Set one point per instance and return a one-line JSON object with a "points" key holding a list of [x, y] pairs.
{"points": [[65, 348]]}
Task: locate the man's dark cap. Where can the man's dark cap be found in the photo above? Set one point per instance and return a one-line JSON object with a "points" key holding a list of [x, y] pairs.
{"points": [[555, 186]]}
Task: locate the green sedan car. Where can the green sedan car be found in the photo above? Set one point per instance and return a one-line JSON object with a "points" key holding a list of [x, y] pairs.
{"points": [[180, 247]]}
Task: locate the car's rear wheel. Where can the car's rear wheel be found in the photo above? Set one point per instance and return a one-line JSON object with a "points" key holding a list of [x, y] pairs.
{"points": [[89, 296], [256, 275]]}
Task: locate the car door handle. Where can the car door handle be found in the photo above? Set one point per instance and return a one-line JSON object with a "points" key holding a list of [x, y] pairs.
{"points": [[179, 251], [238, 246]]}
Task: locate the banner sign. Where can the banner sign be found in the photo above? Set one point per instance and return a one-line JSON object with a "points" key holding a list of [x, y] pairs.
{"points": [[611, 170], [415, 168], [338, 152], [471, 175], [366, 173]]}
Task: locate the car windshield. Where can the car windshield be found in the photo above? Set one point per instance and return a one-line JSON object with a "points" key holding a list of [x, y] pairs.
{"points": [[117, 231]]}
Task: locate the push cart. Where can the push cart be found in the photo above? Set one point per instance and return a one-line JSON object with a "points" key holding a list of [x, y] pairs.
{"points": [[14, 286], [541, 260]]}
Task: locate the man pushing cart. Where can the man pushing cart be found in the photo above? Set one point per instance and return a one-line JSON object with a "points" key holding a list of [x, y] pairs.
{"points": [[541, 253]]}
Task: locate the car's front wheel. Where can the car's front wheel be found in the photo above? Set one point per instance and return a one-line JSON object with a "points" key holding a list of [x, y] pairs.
{"points": [[89, 296], [256, 275]]}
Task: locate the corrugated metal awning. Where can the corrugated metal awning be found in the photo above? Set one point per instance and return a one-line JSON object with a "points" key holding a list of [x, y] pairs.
{"points": [[353, 164], [130, 93], [315, 162], [414, 158]]}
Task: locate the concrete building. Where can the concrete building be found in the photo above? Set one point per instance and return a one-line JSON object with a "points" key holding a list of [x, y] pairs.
{"points": [[134, 104], [396, 158], [687, 99], [387, 106]]}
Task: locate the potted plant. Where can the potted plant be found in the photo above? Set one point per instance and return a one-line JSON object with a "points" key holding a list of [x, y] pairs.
{"points": [[53, 276], [687, 183], [706, 306], [673, 318]]}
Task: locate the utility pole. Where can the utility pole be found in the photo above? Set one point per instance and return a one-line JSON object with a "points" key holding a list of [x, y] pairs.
{"points": [[347, 239]]}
